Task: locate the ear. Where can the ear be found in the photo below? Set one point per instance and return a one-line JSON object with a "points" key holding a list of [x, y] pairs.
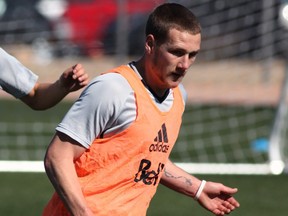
{"points": [[150, 43]]}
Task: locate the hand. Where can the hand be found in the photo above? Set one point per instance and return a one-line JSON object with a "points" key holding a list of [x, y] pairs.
{"points": [[74, 78], [218, 199]]}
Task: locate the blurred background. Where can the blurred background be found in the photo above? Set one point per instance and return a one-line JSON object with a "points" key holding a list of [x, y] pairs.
{"points": [[235, 122], [93, 27]]}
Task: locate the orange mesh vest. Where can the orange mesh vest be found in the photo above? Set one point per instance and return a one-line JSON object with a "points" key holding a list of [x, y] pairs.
{"points": [[119, 175]]}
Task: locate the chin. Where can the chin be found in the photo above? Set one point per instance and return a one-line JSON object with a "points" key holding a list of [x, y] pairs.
{"points": [[174, 84]]}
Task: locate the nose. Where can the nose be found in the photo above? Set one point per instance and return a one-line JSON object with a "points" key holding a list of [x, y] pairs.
{"points": [[185, 62]]}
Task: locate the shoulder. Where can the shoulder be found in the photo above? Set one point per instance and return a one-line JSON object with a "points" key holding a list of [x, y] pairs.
{"points": [[97, 108], [111, 82], [107, 90]]}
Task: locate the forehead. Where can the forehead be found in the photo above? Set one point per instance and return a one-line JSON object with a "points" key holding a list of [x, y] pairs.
{"points": [[183, 39]]}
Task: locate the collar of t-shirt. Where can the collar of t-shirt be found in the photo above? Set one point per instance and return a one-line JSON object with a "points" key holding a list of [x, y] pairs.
{"points": [[158, 98]]}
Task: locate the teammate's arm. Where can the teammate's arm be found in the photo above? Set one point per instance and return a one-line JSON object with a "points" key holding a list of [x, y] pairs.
{"points": [[46, 95], [59, 166], [215, 197]]}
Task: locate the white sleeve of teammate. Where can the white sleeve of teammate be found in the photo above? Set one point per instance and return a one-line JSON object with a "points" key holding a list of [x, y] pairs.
{"points": [[97, 108], [15, 78]]}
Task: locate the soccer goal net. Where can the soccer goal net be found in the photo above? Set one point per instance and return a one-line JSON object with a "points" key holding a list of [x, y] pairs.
{"points": [[235, 121]]}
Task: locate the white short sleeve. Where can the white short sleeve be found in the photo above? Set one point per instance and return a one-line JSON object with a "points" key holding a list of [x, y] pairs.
{"points": [[15, 78], [98, 108]]}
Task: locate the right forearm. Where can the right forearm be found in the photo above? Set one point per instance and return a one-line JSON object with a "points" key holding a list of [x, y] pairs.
{"points": [[68, 188], [60, 169]]}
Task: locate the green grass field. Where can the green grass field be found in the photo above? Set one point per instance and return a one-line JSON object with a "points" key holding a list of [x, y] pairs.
{"points": [[25, 194]]}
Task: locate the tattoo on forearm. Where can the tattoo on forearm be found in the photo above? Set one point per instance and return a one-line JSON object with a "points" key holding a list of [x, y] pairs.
{"points": [[170, 175]]}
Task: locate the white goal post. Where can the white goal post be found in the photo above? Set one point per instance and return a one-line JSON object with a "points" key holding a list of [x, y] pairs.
{"points": [[193, 168], [278, 139]]}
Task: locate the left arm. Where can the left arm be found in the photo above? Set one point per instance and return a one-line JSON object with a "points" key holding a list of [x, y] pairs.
{"points": [[215, 197], [46, 95]]}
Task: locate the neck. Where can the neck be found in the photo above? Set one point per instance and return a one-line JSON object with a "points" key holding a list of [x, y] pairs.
{"points": [[148, 80]]}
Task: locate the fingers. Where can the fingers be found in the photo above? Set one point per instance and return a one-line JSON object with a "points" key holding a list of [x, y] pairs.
{"points": [[228, 190], [80, 75], [218, 198], [225, 205], [222, 210], [233, 202]]}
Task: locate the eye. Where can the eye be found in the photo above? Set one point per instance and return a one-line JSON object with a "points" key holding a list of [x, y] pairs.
{"points": [[177, 53], [192, 55]]}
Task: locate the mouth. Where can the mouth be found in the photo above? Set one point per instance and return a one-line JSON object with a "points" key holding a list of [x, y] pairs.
{"points": [[177, 75]]}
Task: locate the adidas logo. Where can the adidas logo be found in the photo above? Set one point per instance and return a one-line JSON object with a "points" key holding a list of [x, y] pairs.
{"points": [[160, 140]]}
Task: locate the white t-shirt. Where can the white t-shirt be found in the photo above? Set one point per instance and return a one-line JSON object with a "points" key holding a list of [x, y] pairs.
{"points": [[105, 107], [15, 78]]}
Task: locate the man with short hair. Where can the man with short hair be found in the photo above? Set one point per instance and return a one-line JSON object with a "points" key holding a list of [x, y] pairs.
{"points": [[112, 149]]}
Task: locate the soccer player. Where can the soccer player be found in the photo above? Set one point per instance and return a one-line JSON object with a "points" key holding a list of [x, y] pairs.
{"points": [[112, 148], [22, 83]]}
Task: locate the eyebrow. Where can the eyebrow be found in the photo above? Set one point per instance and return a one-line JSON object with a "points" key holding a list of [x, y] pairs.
{"points": [[178, 49], [194, 53]]}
